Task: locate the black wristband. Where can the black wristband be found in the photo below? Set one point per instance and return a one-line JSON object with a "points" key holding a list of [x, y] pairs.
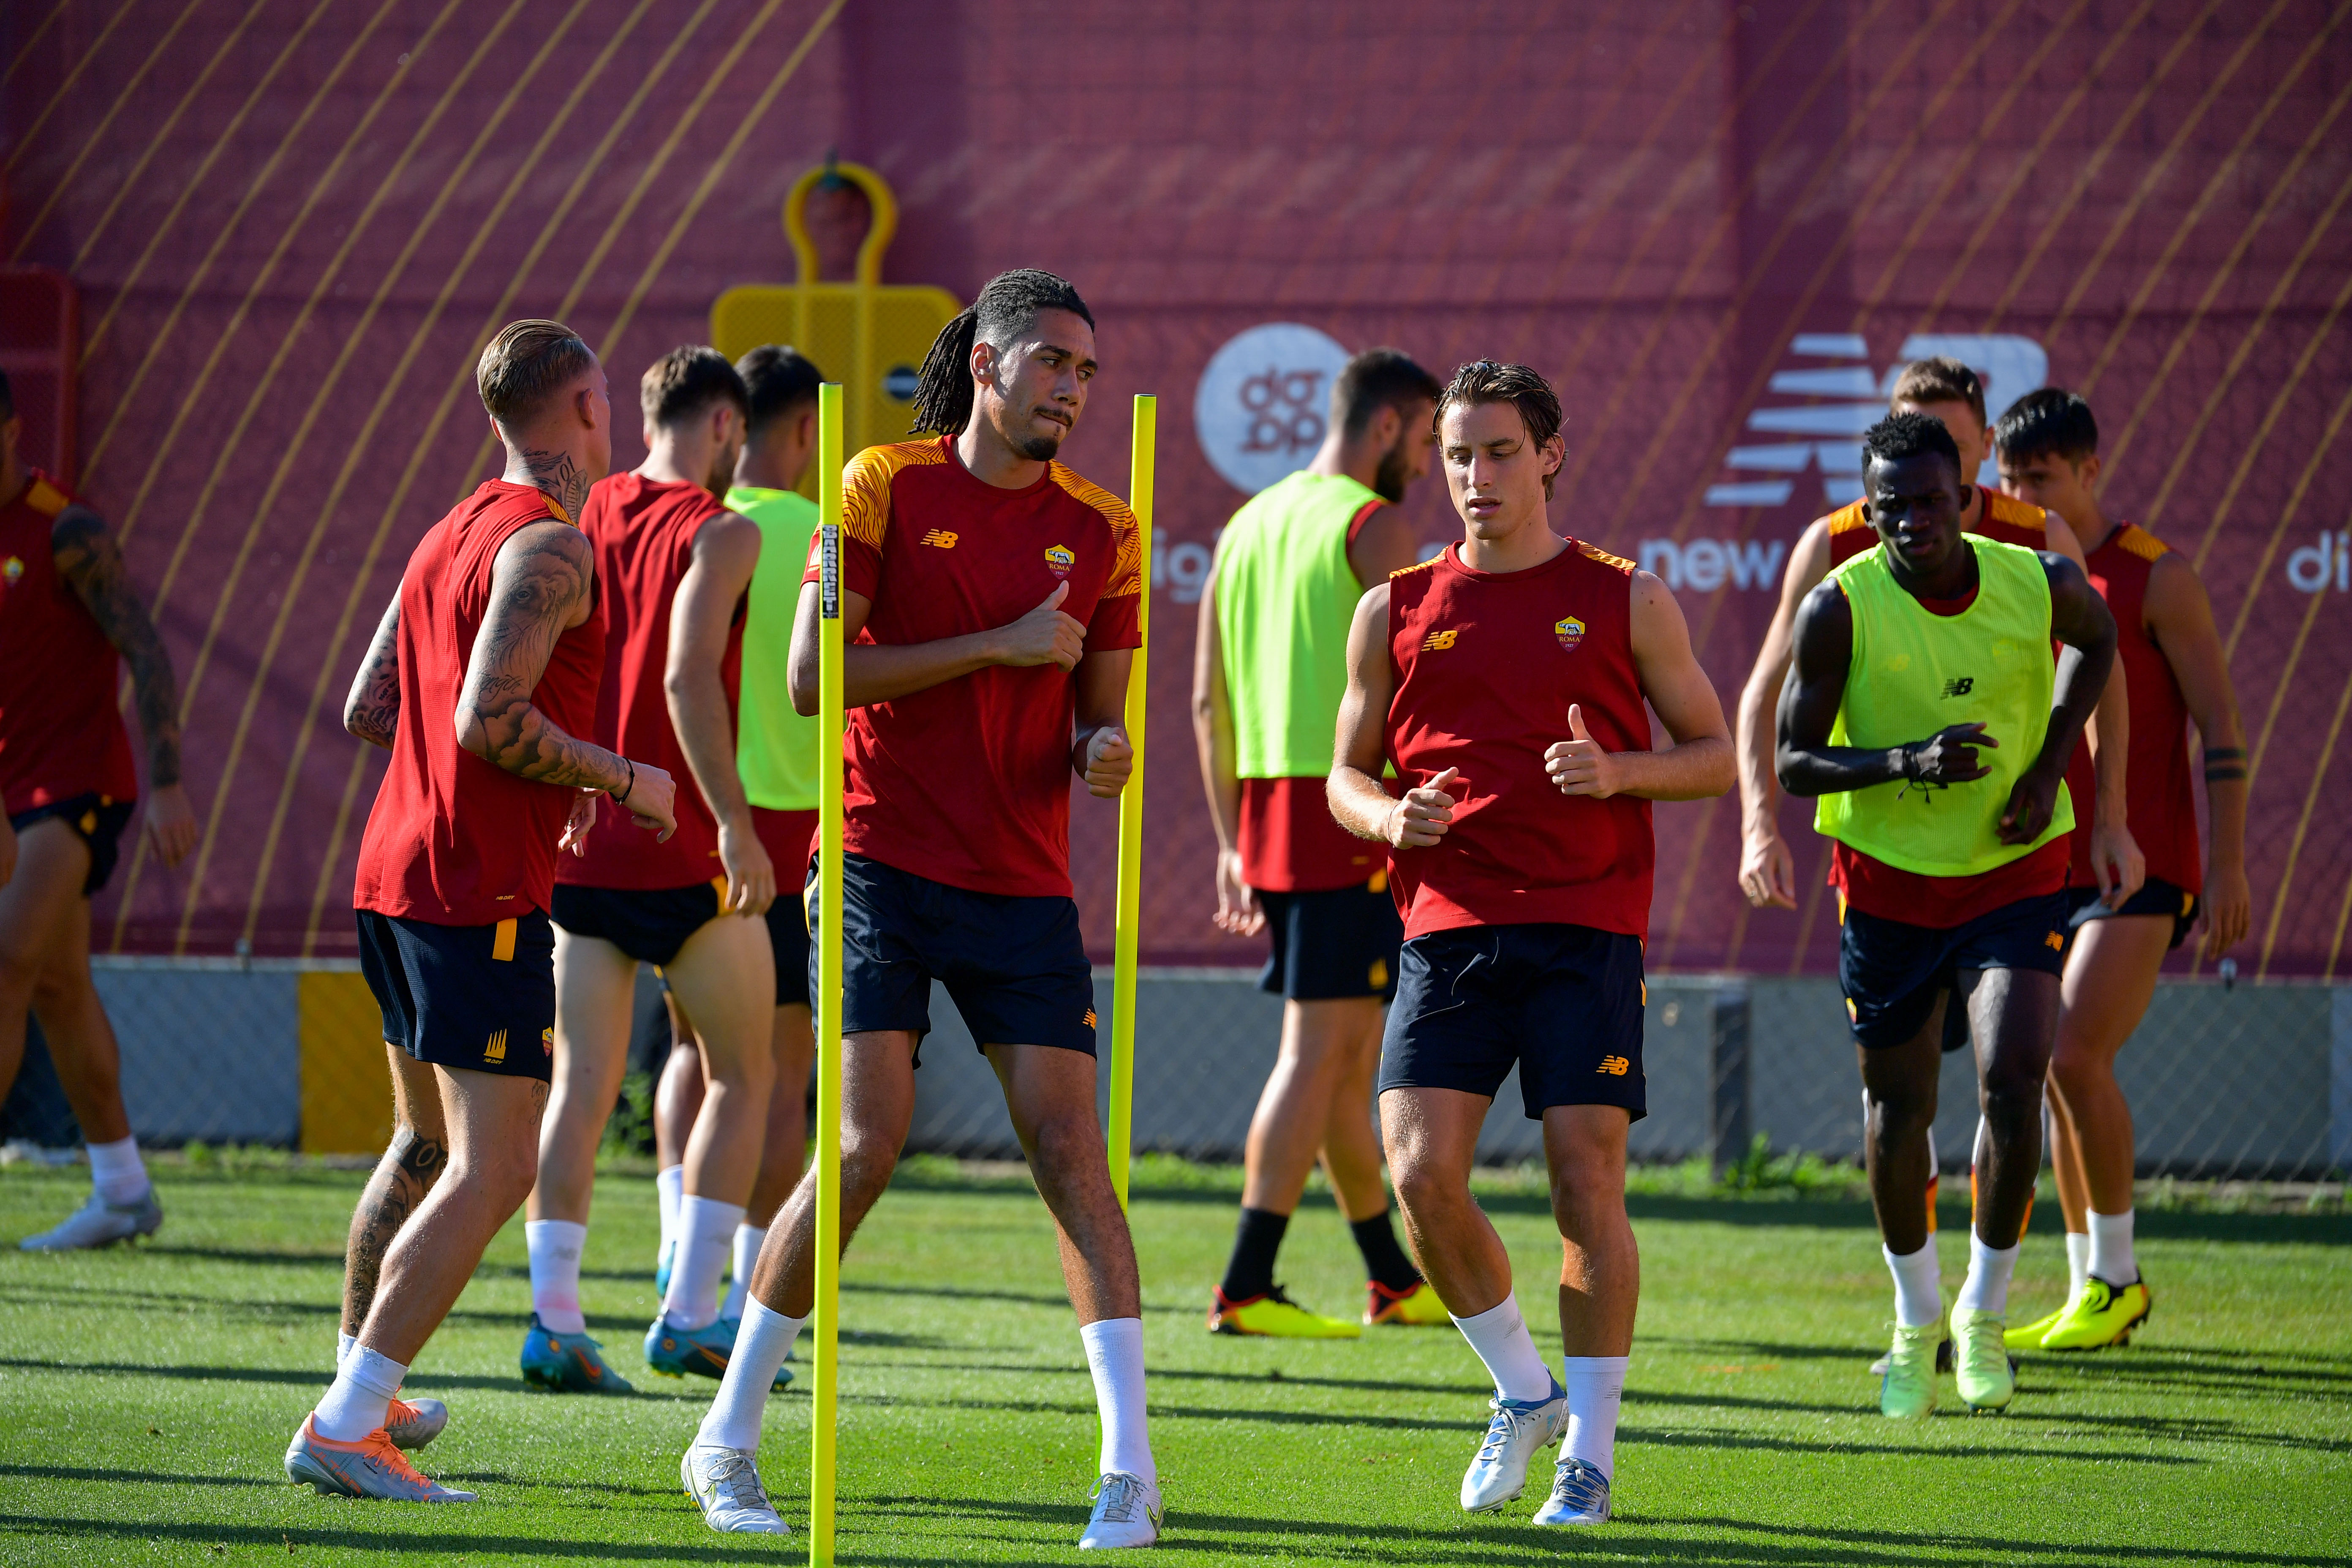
{"points": [[628, 789]]}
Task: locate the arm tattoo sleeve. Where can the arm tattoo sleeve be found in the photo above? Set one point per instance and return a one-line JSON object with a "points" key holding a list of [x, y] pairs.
{"points": [[372, 712], [88, 558], [531, 599]]}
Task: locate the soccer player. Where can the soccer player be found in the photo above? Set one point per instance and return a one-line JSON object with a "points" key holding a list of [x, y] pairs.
{"points": [[990, 597], [66, 612], [1268, 669], [1942, 780], [1506, 683], [2048, 449], [480, 680], [674, 566]]}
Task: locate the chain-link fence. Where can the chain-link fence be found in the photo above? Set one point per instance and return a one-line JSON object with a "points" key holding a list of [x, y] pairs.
{"points": [[2253, 1082]]}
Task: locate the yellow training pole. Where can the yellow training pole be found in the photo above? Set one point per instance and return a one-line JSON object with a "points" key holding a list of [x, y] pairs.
{"points": [[824, 1386], [1131, 819]]}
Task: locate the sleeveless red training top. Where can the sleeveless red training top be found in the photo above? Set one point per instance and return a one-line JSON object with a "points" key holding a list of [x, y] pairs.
{"points": [[454, 840], [2158, 803], [1485, 665], [60, 733], [643, 530]]}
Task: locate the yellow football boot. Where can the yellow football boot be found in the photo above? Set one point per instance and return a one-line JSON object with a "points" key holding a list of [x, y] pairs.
{"points": [[1275, 1316], [1416, 1308], [2028, 1337], [2100, 1316]]}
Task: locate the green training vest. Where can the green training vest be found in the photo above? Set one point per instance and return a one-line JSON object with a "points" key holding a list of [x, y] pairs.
{"points": [[1913, 673], [775, 748], [1286, 598]]}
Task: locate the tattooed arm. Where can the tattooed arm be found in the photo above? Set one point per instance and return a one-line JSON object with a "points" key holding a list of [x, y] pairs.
{"points": [[373, 707], [539, 588], [88, 558]]}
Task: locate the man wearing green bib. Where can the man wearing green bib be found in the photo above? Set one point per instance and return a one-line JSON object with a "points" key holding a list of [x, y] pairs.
{"points": [[1271, 666], [1923, 710]]}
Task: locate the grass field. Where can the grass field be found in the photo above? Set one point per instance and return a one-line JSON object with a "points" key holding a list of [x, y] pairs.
{"points": [[145, 1398]]}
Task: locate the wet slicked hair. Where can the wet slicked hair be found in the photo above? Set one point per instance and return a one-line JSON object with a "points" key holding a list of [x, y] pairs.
{"points": [[1008, 307], [1378, 379], [780, 380], [527, 362], [1493, 381], [1901, 436], [689, 379], [1941, 380], [2050, 422]]}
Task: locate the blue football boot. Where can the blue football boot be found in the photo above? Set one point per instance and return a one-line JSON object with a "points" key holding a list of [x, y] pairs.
{"points": [[568, 1364]]}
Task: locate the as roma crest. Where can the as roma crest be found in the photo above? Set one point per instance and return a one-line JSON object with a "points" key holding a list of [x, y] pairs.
{"points": [[1570, 631], [1060, 559]]}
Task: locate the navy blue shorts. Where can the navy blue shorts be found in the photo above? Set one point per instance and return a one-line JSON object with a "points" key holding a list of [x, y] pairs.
{"points": [[1332, 944], [99, 819], [481, 997], [1561, 1002], [1015, 966], [648, 924], [2156, 896], [788, 939], [1892, 971]]}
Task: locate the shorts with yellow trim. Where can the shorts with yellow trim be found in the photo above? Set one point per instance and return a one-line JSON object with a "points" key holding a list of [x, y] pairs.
{"points": [[649, 924], [1892, 971], [1332, 944], [2156, 896], [100, 820], [481, 997], [1561, 1003]]}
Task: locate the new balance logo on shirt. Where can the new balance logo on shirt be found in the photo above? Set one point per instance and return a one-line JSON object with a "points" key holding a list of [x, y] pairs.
{"points": [[941, 538], [1959, 685], [1439, 639]]}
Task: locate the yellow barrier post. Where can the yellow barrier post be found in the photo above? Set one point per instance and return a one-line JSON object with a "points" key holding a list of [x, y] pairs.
{"points": [[1121, 1132], [825, 1388]]}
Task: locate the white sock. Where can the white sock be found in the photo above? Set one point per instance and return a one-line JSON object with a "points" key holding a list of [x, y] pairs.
{"points": [[360, 1397], [761, 1347], [117, 1171], [706, 1231], [1986, 1289], [2111, 1248], [555, 1245], [1500, 1337], [1596, 1386], [1115, 1355], [1918, 1285], [669, 1191], [344, 1343], [2078, 1262], [749, 1239]]}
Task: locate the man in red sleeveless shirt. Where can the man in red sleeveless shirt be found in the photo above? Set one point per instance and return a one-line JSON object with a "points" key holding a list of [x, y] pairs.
{"points": [[2048, 449], [675, 564], [66, 610], [1506, 681], [990, 597], [480, 678]]}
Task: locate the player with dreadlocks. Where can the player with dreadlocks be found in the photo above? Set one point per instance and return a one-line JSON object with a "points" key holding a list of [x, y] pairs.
{"points": [[997, 595]]}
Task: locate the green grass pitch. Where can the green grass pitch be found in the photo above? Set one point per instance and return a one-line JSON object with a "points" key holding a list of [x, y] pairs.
{"points": [[145, 1398]]}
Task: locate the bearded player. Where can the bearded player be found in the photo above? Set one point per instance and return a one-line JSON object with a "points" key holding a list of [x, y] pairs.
{"points": [[1269, 668], [1941, 778], [481, 676], [1510, 682], [2048, 449], [989, 600]]}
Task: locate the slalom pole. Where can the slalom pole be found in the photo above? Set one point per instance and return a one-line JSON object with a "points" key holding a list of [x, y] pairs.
{"points": [[824, 1386], [1121, 1132]]}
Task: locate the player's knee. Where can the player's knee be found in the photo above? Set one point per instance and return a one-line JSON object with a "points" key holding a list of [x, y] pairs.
{"points": [[1900, 1109], [20, 966], [2011, 1093], [867, 1164], [1420, 1186], [1585, 1184]]}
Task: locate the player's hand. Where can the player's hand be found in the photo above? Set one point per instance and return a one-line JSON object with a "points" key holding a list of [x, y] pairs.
{"points": [[1421, 817], [171, 825], [1950, 756], [2117, 862], [1238, 911], [1107, 762], [1578, 766], [1043, 635], [652, 802], [1768, 872], [2229, 908], [7, 852], [582, 823], [2030, 805], [751, 874]]}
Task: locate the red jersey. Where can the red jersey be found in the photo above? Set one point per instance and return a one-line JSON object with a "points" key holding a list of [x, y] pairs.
{"points": [[1290, 843], [1485, 665], [454, 840], [968, 783], [60, 733], [2159, 803], [642, 532], [789, 839]]}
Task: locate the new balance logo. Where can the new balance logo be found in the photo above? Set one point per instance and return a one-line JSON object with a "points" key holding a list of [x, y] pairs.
{"points": [[1090, 1017], [1615, 1066], [1439, 639], [1959, 685], [2055, 943], [941, 538], [496, 1052]]}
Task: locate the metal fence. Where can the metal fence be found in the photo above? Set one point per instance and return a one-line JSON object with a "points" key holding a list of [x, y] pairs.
{"points": [[2252, 1083]]}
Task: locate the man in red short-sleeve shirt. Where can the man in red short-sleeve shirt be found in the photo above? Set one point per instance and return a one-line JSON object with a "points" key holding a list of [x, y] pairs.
{"points": [[1509, 682], [991, 597]]}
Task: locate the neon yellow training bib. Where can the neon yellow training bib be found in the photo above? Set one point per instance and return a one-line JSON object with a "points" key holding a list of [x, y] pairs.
{"points": [[775, 748]]}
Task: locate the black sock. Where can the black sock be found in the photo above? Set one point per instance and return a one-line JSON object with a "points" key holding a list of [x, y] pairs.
{"points": [[1250, 1271], [1385, 1260]]}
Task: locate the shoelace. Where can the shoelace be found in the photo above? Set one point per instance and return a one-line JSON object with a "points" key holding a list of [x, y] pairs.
{"points": [[1578, 1485], [1118, 1496], [1499, 1430], [735, 1476]]}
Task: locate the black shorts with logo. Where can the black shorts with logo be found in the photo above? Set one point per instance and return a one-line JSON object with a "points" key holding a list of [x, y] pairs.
{"points": [[1015, 965], [648, 924], [481, 997], [1332, 944], [2156, 896], [1892, 971], [99, 819], [1561, 1002]]}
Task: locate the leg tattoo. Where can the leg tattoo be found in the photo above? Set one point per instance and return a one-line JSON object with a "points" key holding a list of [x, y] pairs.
{"points": [[410, 1167]]}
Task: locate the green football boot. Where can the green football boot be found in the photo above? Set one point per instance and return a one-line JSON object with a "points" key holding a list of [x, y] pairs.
{"points": [[2100, 1316], [2029, 1337], [1906, 1389], [1981, 1362]]}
